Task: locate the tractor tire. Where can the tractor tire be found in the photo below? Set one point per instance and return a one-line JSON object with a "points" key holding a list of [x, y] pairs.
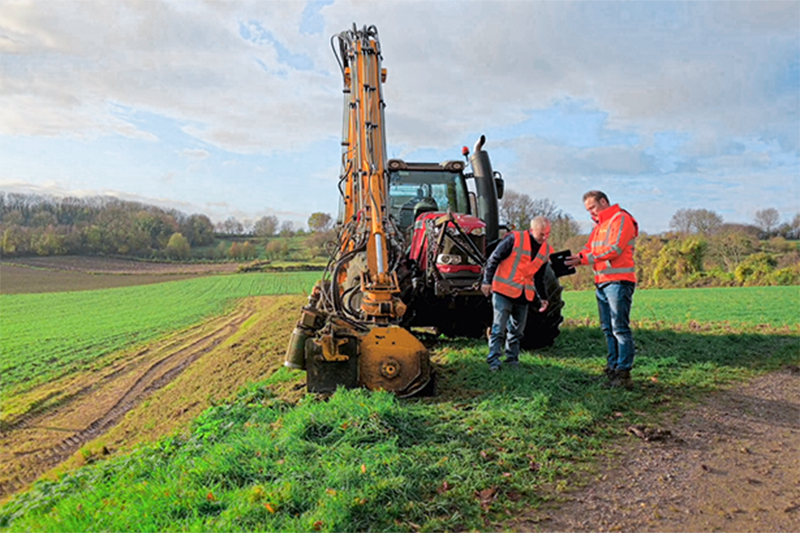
{"points": [[541, 329]]}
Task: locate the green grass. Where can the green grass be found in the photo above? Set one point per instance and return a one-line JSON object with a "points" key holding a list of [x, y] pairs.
{"points": [[776, 306], [49, 334], [485, 446]]}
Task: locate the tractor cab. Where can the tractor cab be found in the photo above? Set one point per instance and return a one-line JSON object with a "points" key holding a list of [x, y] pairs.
{"points": [[416, 188]]}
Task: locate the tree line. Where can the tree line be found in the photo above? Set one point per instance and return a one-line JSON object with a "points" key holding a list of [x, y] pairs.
{"points": [[33, 224], [700, 250], [43, 225]]}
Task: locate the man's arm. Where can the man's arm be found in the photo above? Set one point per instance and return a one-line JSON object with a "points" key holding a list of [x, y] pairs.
{"points": [[502, 251]]}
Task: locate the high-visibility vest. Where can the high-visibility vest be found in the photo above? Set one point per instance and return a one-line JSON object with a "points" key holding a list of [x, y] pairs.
{"points": [[611, 246], [515, 273]]}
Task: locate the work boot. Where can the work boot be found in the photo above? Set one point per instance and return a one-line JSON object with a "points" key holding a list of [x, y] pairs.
{"points": [[607, 375], [621, 380]]}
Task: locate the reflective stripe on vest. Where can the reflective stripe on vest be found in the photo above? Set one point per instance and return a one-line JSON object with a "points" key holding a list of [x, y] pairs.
{"points": [[515, 273], [603, 269]]}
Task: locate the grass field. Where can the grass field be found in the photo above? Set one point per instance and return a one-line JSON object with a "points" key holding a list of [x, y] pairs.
{"points": [[775, 306], [47, 335], [484, 448]]}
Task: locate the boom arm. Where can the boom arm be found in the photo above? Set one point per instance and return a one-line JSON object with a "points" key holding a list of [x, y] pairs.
{"points": [[364, 175], [348, 334]]}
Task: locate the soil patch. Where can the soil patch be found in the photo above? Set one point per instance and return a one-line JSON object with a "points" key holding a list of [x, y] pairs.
{"points": [[110, 265], [730, 464], [78, 273]]}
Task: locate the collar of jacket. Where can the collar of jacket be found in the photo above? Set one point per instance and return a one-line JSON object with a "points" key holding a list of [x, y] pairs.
{"points": [[607, 213]]}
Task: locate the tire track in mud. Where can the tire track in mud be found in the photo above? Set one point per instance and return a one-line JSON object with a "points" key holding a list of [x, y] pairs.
{"points": [[30, 418], [33, 463]]}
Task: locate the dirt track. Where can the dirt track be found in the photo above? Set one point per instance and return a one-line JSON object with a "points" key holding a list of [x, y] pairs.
{"points": [[730, 464], [79, 409]]}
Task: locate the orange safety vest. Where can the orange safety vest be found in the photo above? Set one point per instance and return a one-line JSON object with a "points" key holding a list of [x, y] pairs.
{"points": [[515, 273], [611, 246]]}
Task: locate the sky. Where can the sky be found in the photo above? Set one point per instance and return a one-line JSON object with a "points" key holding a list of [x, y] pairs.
{"points": [[235, 108]]}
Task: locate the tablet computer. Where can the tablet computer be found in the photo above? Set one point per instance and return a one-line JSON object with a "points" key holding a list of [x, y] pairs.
{"points": [[557, 263]]}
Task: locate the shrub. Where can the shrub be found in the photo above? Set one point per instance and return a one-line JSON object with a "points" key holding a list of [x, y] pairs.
{"points": [[755, 269], [178, 247]]}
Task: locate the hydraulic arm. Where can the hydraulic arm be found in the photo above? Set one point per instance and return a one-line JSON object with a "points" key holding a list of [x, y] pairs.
{"points": [[348, 334]]}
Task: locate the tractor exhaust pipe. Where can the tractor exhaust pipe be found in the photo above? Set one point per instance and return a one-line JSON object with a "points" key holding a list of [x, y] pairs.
{"points": [[486, 190]]}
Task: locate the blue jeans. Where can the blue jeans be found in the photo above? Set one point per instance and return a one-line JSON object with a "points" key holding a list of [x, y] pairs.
{"points": [[614, 303], [509, 315]]}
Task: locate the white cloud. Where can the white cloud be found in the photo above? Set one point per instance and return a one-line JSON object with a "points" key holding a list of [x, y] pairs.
{"points": [[194, 153], [713, 71]]}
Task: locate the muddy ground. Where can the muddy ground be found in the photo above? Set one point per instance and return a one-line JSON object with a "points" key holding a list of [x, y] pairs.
{"points": [[730, 464]]}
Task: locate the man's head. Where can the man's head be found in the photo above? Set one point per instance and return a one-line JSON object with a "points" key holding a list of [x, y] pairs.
{"points": [[595, 202], [540, 229]]}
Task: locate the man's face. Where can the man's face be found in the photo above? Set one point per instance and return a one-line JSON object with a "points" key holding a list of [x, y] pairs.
{"points": [[540, 234], [594, 206]]}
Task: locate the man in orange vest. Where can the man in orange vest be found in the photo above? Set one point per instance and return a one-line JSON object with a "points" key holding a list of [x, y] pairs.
{"points": [[610, 252], [514, 277]]}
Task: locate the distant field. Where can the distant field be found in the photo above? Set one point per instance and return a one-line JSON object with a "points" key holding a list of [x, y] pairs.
{"points": [[775, 306], [47, 335], [111, 265], [73, 273], [23, 280]]}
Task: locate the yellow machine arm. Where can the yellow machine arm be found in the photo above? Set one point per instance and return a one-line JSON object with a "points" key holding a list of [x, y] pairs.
{"points": [[348, 333], [366, 199]]}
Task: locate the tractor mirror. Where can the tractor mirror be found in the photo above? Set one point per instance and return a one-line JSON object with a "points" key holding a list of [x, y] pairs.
{"points": [[499, 185]]}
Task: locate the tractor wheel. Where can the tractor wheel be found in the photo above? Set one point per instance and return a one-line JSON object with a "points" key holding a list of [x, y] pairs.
{"points": [[542, 329]]}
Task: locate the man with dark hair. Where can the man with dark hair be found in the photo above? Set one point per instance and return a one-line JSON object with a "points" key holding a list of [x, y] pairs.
{"points": [[610, 252], [514, 277]]}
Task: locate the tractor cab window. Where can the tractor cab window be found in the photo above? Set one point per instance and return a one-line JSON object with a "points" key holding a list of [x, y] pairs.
{"points": [[414, 191]]}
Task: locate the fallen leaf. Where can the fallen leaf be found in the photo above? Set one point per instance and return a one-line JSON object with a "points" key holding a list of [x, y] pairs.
{"points": [[330, 491], [487, 494], [506, 474], [210, 496], [317, 525], [363, 468], [269, 508]]}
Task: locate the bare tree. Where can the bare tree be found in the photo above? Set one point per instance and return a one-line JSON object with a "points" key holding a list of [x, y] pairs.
{"points": [[230, 226], [701, 221], [517, 209], [564, 227], [545, 207], [287, 228], [767, 219], [266, 226]]}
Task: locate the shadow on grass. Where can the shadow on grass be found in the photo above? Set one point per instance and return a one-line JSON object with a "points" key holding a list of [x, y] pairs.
{"points": [[669, 365]]}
